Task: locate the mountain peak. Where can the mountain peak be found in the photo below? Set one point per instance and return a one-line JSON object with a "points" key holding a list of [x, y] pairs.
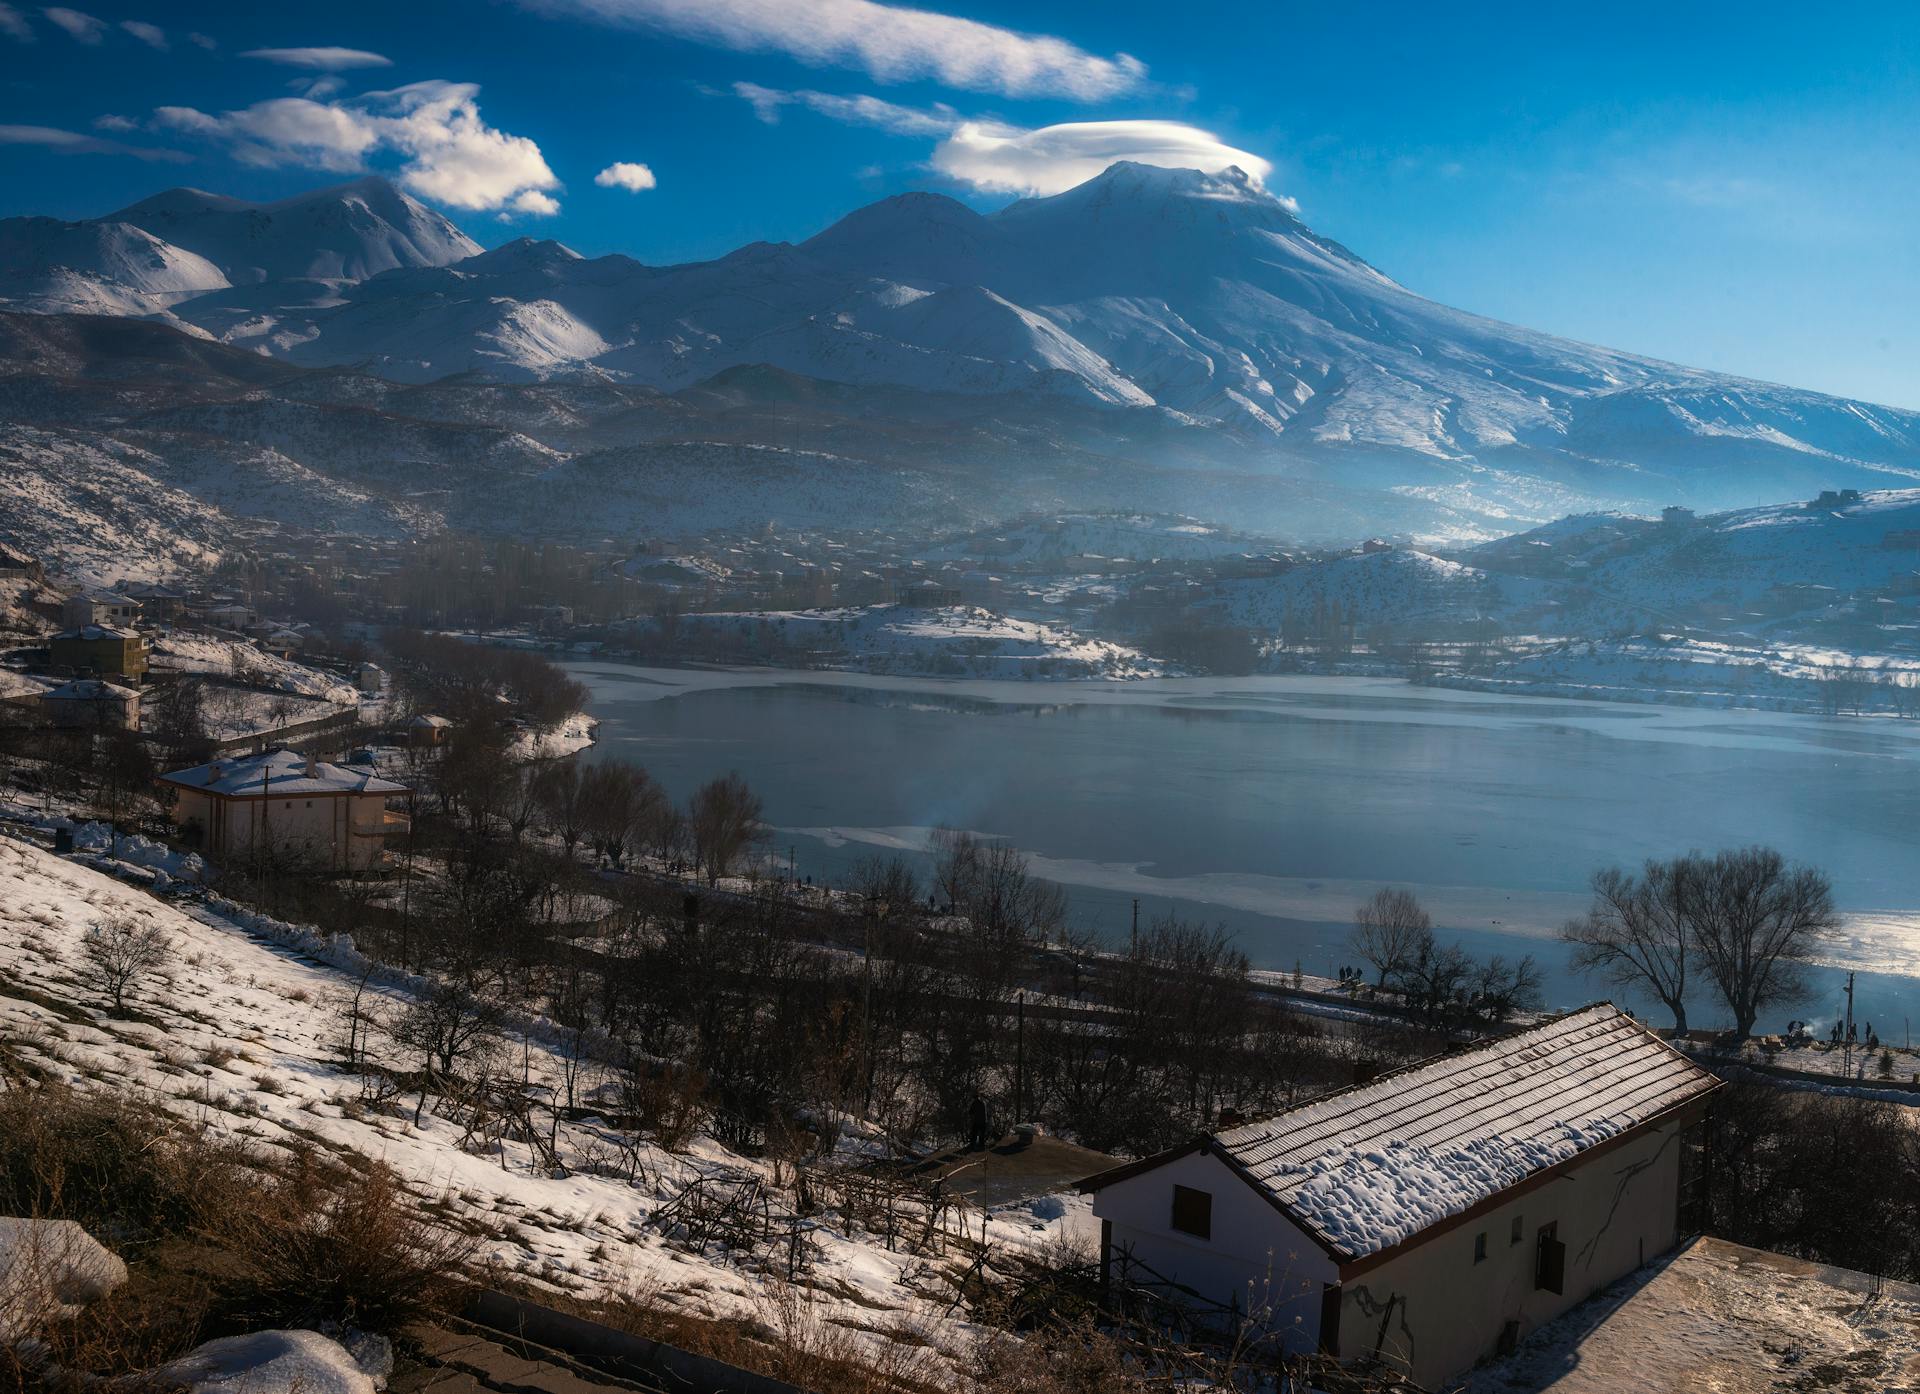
{"points": [[522, 254], [344, 232]]}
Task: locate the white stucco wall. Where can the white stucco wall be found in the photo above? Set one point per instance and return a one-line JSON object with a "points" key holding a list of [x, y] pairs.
{"points": [[1255, 1257], [1434, 1312]]}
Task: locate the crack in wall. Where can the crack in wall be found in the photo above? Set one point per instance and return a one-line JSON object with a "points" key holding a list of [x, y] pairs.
{"points": [[1591, 1249]]}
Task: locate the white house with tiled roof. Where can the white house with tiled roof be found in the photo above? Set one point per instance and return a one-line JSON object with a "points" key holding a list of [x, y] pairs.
{"points": [[1434, 1215], [291, 805]]}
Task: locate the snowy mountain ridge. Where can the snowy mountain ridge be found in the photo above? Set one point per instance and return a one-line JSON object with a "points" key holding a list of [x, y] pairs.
{"points": [[1183, 323]]}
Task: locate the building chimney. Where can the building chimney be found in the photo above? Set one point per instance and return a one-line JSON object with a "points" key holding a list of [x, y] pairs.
{"points": [[214, 772], [313, 767]]}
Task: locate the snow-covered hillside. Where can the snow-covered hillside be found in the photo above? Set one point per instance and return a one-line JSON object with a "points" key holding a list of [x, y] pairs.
{"points": [[949, 641], [98, 508], [242, 1032], [1047, 544]]}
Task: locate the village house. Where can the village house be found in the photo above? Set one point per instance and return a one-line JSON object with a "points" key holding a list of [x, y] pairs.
{"points": [[1433, 1216], [288, 804], [428, 730], [158, 604], [93, 649], [92, 704], [99, 607]]}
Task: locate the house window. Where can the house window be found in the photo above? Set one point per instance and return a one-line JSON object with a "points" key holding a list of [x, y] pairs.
{"points": [[1516, 1230], [1193, 1212], [1480, 1247]]}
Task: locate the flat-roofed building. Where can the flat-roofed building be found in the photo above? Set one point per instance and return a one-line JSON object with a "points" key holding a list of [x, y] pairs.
{"points": [[97, 649]]}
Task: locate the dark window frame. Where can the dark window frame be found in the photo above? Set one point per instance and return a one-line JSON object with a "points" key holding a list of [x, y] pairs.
{"points": [[1192, 1212], [1480, 1247]]}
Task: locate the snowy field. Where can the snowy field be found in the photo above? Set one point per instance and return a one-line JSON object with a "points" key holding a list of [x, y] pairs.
{"points": [[946, 641], [244, 1029]]}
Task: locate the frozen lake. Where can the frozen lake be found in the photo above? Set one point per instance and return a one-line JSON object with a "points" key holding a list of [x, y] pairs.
{"points": [[1275, 804]]}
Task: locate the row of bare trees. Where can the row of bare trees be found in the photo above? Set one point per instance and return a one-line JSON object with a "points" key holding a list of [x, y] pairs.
{"points": [[1442, 985], [1741, 923]]}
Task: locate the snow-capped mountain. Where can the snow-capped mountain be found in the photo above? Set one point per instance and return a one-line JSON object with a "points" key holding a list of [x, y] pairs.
{"points": [[238, 263], [345, 233], [1177, 340], [98, 268]]}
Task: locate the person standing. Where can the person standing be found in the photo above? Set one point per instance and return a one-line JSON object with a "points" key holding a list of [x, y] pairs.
{"points": [[977, 1124]]}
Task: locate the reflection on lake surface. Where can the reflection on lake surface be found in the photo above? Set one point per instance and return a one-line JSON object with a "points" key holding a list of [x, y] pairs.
{"points": [[1275, 804]]}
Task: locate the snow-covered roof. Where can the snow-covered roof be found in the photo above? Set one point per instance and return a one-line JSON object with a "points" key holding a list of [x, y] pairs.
{"points": [[1364, 1169], [279, 774], [430, 722], [91, 632], [90, 690]]}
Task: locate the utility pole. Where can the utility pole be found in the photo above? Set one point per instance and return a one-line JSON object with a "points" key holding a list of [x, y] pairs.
{"points": [[1846, 1055], [1134, 943], [1020, 1060]]}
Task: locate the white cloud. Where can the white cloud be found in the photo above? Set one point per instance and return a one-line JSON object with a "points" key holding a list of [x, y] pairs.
{"points": [[152, 35], [891, 43], [81, 27], [284, 131], [448, 153], [115, 123], [14, 24], [1006, 159], [206, 41], [74, 143], [623, 174], [328, 60], [854, 111]]}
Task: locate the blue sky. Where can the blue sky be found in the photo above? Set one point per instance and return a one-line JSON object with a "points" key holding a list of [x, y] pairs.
{"points": [[1730, 186]]}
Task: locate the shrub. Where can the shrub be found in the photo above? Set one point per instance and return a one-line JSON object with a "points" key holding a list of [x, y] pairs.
{"points": [[332, 1245]]}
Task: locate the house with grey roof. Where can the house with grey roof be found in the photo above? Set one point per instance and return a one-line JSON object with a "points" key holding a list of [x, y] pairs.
{"points": [[1434, 1215], [290, 806]]}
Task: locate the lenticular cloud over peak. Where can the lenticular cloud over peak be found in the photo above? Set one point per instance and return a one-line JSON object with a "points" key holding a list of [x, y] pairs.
{"points": [[997, 158]]}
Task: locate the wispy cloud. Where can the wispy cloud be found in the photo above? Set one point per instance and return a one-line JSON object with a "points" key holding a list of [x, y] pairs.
{"points": [[625, 174], [152, 35], [324, 59], [997, 158], [890, 43], [14, 24], [448, 153], [76, 143], [860, 110], [206, 41], [80, 26], [111, 122]]}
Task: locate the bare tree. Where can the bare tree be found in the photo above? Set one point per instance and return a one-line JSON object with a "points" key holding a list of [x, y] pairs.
{"points": [[1636, 935], [1755, 919], [557, 788], [121, 951], [723, 818], [1389, 932]]}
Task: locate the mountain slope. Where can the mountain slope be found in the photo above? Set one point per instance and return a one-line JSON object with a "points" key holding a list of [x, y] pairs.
{"points": [[345, 233], [102, 268], [1155, 338]]}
